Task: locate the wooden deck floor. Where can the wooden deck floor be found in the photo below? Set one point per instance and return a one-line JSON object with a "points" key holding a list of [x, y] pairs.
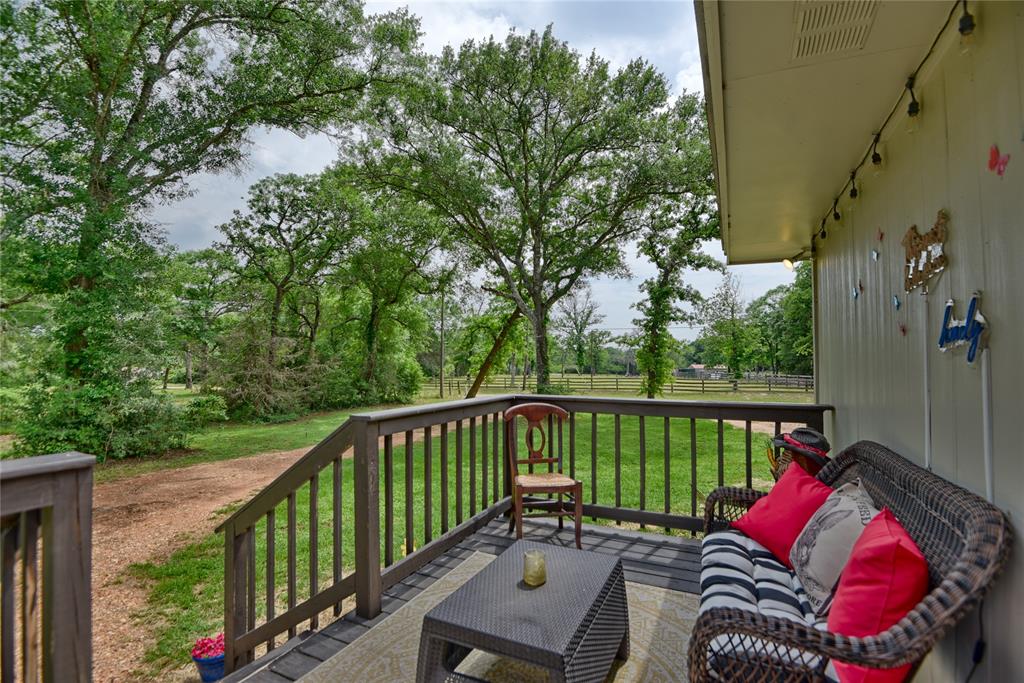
{"points": [[666, 561]]}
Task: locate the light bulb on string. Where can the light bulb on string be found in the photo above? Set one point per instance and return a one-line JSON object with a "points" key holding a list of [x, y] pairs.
{"points": [[853, 184], [966, 28], [913, 107], [877, 160], [836, 216]]}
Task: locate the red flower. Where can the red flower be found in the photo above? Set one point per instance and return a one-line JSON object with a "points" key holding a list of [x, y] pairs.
{"points": [[206, 648]]}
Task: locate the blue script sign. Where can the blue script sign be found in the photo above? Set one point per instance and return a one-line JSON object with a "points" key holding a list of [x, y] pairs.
{"points": [[959, 332]]}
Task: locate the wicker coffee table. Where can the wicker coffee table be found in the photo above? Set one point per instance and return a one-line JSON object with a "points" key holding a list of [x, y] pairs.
{"points": [[574, 625]]}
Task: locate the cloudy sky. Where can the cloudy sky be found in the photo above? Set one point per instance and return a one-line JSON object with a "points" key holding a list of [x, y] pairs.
{"points": [[663, 33]]}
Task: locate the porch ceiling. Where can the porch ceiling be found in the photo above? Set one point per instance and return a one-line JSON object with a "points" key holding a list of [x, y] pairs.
{"points": [[795, 92]]}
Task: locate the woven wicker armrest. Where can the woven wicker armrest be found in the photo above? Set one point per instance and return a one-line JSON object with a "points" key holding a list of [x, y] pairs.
{"points": [[751, 642], [726, 504]]}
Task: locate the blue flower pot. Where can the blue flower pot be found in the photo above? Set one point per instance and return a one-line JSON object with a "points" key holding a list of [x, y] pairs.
{"points": [[210, 669]]}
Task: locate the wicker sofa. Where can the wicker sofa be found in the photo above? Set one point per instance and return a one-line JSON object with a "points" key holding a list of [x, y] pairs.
{"points": [[965, 539]]}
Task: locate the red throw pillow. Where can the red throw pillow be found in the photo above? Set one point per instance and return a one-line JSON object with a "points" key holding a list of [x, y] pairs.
{"points": [[885, 577], [777, 519]]}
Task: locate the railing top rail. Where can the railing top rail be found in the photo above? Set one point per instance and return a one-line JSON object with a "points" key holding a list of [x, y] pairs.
{"points": [[431, 408], [735, 406], [44, 464]]}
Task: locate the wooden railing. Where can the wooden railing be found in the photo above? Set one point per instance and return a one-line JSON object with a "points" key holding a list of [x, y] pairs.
{"points": [[48, 499], [421, 479]]}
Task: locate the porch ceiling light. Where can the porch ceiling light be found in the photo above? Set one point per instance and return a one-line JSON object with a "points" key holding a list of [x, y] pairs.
{"points": [[788, 263]]}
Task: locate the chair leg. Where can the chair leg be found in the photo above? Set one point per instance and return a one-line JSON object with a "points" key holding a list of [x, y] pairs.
{"points": [[578, 514], [518, 504], [561, 509]]}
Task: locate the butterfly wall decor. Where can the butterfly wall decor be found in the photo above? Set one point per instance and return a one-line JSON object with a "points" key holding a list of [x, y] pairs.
{"points": [[997, 162]]}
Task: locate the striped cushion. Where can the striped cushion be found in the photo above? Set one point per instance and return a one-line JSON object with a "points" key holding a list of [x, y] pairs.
{"points": [[738, 572]]}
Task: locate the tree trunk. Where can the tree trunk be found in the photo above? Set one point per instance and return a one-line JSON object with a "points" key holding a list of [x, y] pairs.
{"points": [[440, 366], [499, 342], [167, 376], [188, 368], [372, 327], [651, 379], [541, 360], [275, 316]]}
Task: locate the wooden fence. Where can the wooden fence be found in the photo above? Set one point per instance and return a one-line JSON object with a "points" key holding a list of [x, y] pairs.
{"points": [[622, 384], [47, 615], [390, 446]]}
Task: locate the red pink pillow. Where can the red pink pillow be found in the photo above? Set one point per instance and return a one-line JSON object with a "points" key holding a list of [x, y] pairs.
{"points": [[885, 577], [777, 519]]}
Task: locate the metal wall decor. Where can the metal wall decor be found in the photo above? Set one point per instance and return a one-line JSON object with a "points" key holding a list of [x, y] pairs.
{"points": [[971, 331], [925, 255]]}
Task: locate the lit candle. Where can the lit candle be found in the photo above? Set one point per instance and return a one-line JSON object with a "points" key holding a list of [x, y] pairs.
{"points": [[534, 568]]}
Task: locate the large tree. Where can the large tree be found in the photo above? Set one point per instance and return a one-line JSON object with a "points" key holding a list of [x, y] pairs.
{"points": [[726, 331], [577, 317], [545, 161]]}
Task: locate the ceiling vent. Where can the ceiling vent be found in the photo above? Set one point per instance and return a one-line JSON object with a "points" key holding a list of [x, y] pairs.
{"points": [[828, 28]]}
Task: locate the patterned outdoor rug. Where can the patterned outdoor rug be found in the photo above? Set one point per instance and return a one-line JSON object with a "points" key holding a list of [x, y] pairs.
{"points": [[660, 622]]}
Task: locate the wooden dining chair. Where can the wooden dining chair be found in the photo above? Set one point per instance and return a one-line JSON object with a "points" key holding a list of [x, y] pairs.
{"points": [[553, 482]]}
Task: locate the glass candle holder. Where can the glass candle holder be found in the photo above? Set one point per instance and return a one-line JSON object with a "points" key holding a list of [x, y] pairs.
{"points": [[535, 571]]}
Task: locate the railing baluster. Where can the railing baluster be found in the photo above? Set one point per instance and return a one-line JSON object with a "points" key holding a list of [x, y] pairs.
{"points": [[593, 461], [483, 461], [410, 540], [250, 578], [389, 501], [721, 453], [337, 558], [561, 457], [750, 465], [668, 469], [458, 472], [10, 550], [778, 430], [643, 467], [572, 445], [472, 466], [428, 500], [29, 596], [444, 478], [314, 551], [693, 467], [495, 460], [271, 528], [618, 463], [366, 505], [292, 577]]}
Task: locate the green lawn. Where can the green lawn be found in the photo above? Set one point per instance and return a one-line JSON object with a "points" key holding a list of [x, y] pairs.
{"points": [[186, 591]]}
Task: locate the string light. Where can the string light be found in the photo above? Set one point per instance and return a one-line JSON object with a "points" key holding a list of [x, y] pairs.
{"points": [[876, 158], [966, 28], [914, 108]]}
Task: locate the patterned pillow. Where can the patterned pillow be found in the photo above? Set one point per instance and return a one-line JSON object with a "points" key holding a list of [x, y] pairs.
{"points": [[823, 547]]}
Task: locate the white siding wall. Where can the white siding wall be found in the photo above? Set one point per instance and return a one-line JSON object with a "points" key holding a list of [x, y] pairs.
{"points": [[874, 375]]}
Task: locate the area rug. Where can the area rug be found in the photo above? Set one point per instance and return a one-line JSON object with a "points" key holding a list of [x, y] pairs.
{"points": [[660, 622]]}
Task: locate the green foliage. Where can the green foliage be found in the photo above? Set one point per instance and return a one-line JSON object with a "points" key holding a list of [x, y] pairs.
{"points": [[207, 409], [797, 330], [727, 337], [108, 420]]}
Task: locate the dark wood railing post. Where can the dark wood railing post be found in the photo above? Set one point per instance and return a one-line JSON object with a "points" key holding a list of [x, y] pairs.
{"points": [[49, 496], [236, 594], [367, 519]]}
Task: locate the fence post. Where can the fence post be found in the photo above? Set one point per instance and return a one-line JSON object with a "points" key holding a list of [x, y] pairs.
{"points": [[367, 519]]}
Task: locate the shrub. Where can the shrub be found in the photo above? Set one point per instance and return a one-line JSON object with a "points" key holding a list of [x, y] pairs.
{"points": [[108, 420], [206, 409]]}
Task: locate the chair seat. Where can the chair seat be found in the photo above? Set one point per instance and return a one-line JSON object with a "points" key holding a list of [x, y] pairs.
{"points": [[545, 479]]}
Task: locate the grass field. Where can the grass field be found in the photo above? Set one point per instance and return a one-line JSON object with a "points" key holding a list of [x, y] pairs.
{"points": [[186, 591]]}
